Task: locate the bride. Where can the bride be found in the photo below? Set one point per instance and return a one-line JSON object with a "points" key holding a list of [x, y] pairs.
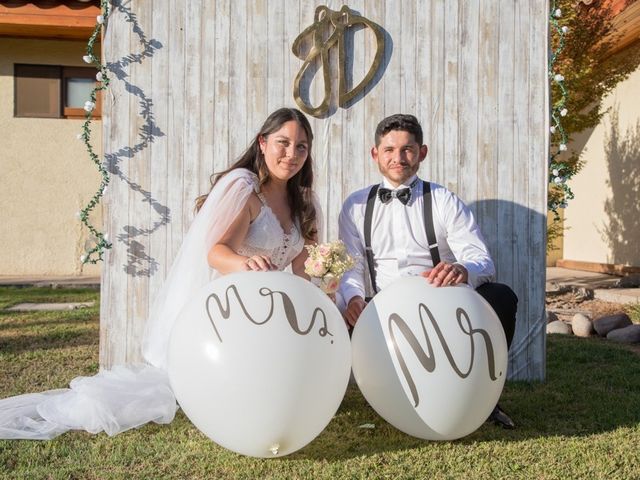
{"points": [[258, 216]]}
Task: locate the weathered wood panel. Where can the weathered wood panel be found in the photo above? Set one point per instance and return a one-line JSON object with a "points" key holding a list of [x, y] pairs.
{"points": [[114, 306], [158, 156], [196, 79]]}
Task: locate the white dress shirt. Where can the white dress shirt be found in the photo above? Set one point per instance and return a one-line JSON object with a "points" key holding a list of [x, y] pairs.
{"points": [[399, 240]]}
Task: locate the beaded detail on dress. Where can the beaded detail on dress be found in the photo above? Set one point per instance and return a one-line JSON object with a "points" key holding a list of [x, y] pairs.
{"points": [[267, 237]]}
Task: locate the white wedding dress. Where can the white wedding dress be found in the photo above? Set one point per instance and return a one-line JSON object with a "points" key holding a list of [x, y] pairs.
{"points": [[128, 396], [267, 237]]}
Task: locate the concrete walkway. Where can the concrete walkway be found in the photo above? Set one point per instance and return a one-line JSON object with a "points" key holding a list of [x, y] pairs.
{"points": [[49, 281], [37, 307], [602, 285]]}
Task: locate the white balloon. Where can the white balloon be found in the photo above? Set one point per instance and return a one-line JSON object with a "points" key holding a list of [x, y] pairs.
{"points": [[259, 362], [431, 361]]}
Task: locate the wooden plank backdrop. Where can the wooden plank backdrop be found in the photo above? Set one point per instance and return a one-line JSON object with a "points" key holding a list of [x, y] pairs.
{"points": [[193, 81]]}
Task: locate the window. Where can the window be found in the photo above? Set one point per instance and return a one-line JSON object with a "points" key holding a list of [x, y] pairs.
{"points": [[51, 91]]}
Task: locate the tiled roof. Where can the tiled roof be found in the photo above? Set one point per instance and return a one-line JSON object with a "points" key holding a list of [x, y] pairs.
{"points": [[71, 19]]}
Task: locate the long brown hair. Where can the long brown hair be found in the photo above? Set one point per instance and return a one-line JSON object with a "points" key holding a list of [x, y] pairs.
{"points": [[299, 187]]}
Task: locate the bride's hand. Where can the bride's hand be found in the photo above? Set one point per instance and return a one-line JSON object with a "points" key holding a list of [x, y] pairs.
{"points": [[259, 263]]}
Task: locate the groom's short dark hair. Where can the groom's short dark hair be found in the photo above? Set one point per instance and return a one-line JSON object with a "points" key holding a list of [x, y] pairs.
{"points": [[402, 122]]}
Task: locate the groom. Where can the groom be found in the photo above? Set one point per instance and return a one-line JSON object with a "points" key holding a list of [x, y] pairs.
{"points": [[405, 226]]}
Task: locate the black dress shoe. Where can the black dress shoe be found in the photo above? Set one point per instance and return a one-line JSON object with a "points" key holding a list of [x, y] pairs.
{"points": [[501, 419]]}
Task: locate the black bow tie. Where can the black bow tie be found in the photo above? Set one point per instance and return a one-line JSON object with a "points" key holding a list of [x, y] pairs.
{"points": [[403, 194]]}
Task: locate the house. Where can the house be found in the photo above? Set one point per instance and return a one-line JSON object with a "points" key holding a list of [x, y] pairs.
{"points": [[47, 175], [602, 223]]}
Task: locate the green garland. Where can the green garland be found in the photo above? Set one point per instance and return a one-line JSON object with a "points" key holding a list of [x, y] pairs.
{"points": [[95, 253], [559, 172]]}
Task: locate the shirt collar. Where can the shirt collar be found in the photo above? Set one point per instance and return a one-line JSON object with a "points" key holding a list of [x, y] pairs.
{"points": [[411, 182]]}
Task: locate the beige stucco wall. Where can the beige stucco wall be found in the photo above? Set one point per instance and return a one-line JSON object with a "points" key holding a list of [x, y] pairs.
{"points": [[47, 175], [555, 252], [608, 182]]}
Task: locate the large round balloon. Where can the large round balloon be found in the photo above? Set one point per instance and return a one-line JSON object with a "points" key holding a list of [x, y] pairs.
{"points": [[259, 362], [431, 361]]}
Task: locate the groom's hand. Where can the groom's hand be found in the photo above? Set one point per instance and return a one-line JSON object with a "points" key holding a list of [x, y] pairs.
{"points": [[354, 309], [445, 274]]}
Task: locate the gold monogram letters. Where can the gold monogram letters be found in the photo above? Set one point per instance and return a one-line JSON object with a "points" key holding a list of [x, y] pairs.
{"points": [[336, 22]]}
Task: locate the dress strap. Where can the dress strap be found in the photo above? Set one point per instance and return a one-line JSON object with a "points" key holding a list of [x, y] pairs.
{"points": [[261, 197]]}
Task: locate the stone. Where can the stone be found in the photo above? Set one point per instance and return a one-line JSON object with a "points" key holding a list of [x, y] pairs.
{"points": [[629, 281], [581, 325], [604, 325], [630, 334], [583, 293], [555, 288], [551, 317], [559, 327]]}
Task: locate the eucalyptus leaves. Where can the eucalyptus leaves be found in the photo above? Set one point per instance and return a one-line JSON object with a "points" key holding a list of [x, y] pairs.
{"points": [[94, 253]]}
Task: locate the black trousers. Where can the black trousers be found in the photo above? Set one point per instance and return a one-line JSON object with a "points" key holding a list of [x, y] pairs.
{"points": [[504, 302]]}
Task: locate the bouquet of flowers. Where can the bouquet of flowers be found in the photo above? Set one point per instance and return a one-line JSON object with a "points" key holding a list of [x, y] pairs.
{"points": [[327, 263]]}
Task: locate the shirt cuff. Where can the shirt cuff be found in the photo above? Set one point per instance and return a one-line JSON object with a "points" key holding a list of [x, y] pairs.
{"points": [[475, 275], [349, 291]]}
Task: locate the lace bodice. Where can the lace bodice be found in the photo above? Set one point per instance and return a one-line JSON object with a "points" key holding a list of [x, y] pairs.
{"points": [[266, 237]]}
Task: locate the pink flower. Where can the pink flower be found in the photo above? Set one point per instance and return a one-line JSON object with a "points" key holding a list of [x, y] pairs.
{"points": [[319, 268], [324, 250], [314, 267], [330, 283]]}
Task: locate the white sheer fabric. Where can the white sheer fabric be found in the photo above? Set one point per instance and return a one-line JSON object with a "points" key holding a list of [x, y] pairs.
{"points": [[113, 400], [129, 396], [190, 269]]}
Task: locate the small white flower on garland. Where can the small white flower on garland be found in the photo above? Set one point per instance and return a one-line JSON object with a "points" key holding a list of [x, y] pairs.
{"points": [[95, 253], [559, 172]]}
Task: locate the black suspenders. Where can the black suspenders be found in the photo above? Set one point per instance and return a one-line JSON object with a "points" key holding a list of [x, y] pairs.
{"points": [[368, 213], [428, 225], [427, 211]]}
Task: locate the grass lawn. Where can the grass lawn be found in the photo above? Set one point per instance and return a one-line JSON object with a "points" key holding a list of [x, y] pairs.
{"points": [[584, 422]]}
